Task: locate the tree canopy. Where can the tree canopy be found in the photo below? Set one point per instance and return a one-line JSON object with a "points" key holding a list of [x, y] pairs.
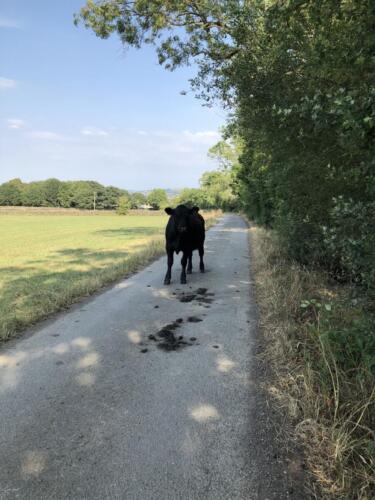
{"points": [[181, 30], [138, 199], [158, 199], [55, 193], [124, 204], [215, 191]]}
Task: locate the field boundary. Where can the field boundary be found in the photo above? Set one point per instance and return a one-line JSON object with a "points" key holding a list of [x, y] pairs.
{"points": [[20, 210]]}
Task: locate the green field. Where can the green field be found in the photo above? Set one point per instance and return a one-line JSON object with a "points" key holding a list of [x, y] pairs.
{"points": [[47, 262]]}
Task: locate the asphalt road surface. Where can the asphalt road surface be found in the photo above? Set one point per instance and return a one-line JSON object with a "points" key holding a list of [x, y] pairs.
{"points": [[92, 408]]}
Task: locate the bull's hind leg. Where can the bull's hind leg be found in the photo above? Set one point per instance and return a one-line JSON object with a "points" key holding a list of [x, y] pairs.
{"points": [[201, 263], [190, 263], [183, 272], [167, 279]]}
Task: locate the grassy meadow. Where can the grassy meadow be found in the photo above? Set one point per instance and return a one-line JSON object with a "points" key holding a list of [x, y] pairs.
{"points": [[47, 262]]}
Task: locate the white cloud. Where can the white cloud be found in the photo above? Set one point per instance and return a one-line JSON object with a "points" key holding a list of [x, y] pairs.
{"points": [[7, 83], [161, 133], [202, 137], [94, 131], [46, 135], [15, 123], [204, 133], [7, 22], [179, 142]]}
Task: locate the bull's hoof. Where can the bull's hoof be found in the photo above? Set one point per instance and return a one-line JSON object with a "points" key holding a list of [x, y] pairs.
{"points": [[183, 281], [202, 269], [167, 281], [189, 271]]}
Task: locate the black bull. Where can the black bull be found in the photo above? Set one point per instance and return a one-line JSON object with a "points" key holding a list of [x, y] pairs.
{"points": [[185, 232]]}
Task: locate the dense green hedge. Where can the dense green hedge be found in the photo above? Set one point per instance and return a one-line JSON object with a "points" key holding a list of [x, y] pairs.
{"points": [[305, 109]]}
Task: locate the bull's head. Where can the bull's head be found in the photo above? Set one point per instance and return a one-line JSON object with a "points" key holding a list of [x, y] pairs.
{"points": [[181, 216]]}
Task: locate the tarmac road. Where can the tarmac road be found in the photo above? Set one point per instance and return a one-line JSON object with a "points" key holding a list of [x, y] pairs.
{"points": [[85, 414]]}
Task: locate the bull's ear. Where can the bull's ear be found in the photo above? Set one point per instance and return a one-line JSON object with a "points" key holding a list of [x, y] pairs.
{"points": [[194, 210], [169, 210]]}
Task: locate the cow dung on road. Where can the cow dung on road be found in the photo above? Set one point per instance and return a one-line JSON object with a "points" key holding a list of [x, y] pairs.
{"points": [[194, 319], [167, 341], [200, 295]]}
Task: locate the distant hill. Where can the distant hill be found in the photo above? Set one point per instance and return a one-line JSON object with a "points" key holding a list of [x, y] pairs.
{"points": [[171, 193]]}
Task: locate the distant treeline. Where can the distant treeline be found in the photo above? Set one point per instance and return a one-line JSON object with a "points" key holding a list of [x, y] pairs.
{"points": [[66, 194], [215, 192]]}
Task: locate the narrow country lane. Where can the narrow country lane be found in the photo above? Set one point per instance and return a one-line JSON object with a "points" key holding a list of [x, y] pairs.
{"points": [[85, 414]]}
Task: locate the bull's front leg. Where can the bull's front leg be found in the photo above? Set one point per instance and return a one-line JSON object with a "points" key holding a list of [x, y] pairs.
{"points": [[183, 271], [201, 263], [190, 263], [167, 279]]}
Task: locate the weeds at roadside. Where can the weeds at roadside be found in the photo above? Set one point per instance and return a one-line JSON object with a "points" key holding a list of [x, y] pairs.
{"points": [[320, 340]]}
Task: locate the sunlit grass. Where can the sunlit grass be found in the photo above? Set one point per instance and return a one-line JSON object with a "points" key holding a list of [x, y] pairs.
{"points": [[48, 262]]}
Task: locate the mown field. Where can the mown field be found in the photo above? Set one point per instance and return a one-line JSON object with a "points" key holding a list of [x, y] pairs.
{"points": [[48, 262]]}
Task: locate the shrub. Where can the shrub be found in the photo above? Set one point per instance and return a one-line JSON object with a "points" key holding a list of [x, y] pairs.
{"points": [[124, 205]]}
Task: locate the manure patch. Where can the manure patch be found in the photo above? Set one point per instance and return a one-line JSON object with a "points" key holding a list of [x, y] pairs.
{"points": [[166, 339], [200, 295], [194, 319]]}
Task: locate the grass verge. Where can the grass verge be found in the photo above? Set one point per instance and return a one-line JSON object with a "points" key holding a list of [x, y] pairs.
{"points": [[320, 344]]}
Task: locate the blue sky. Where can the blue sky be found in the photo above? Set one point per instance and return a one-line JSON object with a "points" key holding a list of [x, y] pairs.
{"points": [[74, 106]]}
